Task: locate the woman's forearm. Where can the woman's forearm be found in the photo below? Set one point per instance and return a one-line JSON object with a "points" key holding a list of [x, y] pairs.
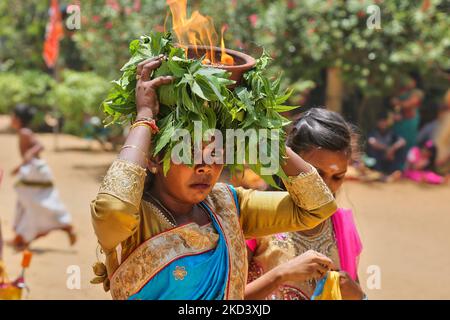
{"points": [[140, 138], [399, 144], [294, 164], [264, 285], [376, 145]]}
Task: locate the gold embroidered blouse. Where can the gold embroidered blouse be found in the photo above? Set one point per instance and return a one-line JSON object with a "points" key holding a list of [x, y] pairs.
{"points": [[274, 250], [122, 220]]}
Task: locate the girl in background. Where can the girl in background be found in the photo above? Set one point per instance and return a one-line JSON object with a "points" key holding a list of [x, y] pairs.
{"points": [[281, 265], [39, 209], [420, 165]]}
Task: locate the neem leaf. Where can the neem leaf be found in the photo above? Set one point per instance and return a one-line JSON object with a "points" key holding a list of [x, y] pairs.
{"points": [[166, 162], [209, 71], [210, 89], [283, 108], [176, 70], [246, 98], [156, 42], [187, 102], [134, 46], [167, 95], [164, 139], [196, 65], [276, 85], [133, 62], [198, 91], [282, 99], [178, 59], [175, 66], [211, 117]]}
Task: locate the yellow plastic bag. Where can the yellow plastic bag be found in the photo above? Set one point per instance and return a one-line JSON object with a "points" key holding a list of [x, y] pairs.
{"points": [[8, 290], [13, 290], [328, 288]]}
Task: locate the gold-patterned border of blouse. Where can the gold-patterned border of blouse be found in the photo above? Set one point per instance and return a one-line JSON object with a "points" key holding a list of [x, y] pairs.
{"points": [[154, 254], [124, 180], [312, 193]]}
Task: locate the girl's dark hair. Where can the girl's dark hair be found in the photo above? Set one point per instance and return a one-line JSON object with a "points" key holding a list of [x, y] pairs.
{"points": [[429, 145], [321, 128], [24, 113]]}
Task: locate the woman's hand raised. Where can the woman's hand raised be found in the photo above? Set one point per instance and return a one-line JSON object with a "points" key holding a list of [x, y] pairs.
{"points": [[147, 102]]}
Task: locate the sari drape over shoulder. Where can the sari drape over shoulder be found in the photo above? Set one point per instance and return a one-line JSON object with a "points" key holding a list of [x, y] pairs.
{"points": [[146, 258]]}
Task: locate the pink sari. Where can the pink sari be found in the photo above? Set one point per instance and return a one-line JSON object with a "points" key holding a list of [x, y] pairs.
{"points": [[419, 175]]}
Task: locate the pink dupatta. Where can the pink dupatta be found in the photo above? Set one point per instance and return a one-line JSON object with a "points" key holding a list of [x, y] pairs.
{"points": [[347, 240]]}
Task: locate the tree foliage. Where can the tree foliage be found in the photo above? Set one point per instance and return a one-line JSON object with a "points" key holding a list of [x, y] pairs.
{"points": [[304, 37]]}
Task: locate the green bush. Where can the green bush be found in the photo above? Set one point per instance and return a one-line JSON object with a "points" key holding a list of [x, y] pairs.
{"points": [[11, 87], [30, 87], [77, 95]]}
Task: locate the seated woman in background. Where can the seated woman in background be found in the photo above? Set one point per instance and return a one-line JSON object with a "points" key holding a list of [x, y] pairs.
{"points": [[386, 148], [420, 165], [282, 266]]}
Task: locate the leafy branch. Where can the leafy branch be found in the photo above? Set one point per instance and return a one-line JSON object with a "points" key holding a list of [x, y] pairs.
{"points": [[201, 92]]}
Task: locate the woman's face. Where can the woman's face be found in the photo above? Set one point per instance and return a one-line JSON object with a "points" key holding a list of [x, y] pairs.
{"points": [[331, 165], [189, 184]]}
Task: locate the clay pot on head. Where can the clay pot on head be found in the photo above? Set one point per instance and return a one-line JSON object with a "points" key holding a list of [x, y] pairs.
{"points": [[242, 61]]}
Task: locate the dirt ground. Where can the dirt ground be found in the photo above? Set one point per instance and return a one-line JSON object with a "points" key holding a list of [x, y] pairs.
{"points": [[404, 228]]}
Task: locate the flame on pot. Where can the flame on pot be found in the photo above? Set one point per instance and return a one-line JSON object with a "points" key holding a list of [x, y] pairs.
{"points": [[197, 30]]}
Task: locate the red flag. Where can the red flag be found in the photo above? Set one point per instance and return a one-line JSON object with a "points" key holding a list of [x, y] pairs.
{"points": [[53, 34]]}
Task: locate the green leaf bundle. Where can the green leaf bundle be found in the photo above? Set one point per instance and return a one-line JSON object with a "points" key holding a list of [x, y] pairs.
{"points": [[200, 93]]}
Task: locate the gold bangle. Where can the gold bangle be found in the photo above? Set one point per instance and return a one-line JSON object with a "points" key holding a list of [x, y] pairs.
{"points": [[143, 124], [137, 148]]}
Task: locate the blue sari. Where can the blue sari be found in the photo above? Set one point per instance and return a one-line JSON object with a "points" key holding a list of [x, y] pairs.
{"points": [[188, 262]]}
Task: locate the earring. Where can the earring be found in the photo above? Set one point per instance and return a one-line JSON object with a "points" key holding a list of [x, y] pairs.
{"points": [[154, 170]]}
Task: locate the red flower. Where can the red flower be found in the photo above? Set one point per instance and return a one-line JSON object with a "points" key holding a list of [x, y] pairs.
{"points": [[425, 5], [96, 19], [137, 5], [108, 25], [291, 4], [253, 18], [113, 4]]}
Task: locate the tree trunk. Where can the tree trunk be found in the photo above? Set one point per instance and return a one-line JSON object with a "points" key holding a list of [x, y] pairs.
{"points": [[334, 90]]}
